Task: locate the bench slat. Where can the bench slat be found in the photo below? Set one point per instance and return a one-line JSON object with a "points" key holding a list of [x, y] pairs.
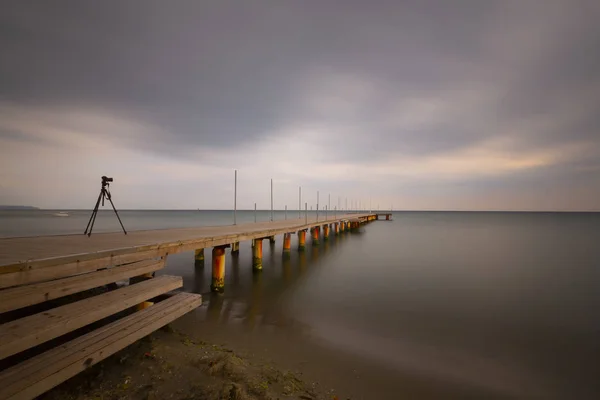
{"points": [[28, 332], [40, 374], [23, 296], [23, 274]]}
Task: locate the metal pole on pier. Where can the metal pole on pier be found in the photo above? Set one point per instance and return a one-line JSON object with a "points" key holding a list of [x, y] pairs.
{"points": [[306, 213], [286, 211], [235, 198], [326, 211], [317, 206], [329, 202], [335, 212], [254, 212], [271, 199], [299, 201]]}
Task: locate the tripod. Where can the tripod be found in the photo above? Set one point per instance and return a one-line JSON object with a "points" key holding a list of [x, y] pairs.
{"points": [[104, 194]]}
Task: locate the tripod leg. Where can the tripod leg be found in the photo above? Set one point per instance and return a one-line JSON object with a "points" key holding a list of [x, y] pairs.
{"points": [[116, 213], [93, 221], [90, 224]]}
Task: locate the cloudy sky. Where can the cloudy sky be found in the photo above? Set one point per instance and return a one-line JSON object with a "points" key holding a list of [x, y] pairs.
{"points": [[423, 104]]}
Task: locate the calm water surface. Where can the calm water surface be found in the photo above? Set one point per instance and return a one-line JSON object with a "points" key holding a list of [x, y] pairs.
{"points": [[503, 302]]}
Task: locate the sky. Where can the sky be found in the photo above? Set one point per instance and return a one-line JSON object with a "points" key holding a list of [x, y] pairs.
{"points": [[417, 105]]}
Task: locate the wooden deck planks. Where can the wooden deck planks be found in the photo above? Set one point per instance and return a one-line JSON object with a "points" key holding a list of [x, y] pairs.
{"points": [[39, 374], [23, 296], [28, 332]]}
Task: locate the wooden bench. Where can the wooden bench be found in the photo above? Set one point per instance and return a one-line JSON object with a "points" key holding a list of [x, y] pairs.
{"points": [[40, 374], [28, 295], [42, 323]]}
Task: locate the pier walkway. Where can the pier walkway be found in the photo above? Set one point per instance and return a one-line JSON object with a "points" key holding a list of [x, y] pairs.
{"points": [[21, 254]]}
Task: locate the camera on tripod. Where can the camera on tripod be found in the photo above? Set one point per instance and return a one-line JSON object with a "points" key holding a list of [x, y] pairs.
{"points": [[104, 194]]}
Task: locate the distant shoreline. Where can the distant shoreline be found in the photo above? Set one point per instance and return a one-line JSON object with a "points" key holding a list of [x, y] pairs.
{"points": [[313, 211], [31, 208]]}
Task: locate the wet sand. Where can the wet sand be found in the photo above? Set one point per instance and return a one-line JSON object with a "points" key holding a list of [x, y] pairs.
{"points": [[320, 365], [184, 362]]}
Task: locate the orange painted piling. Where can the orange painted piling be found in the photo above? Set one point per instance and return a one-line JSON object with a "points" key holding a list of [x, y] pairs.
{"points": [[301, 240], [326, 232], [257, 254], [336, 228], [315, 235], [287, 243], [218, 269]]}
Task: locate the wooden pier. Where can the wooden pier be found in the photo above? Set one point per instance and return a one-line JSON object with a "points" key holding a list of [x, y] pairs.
{"points": [[39, 276]]}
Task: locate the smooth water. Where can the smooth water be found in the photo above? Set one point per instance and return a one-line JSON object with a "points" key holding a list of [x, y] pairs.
{"points": [[503, 302]]}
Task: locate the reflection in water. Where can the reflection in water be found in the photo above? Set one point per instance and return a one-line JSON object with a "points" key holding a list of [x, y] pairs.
{"points": [[287, 267], [302, 261], [254, 308], [199, 280], [213, 312], [272, 253], [314, 253], [235, 269], [256, 298]]}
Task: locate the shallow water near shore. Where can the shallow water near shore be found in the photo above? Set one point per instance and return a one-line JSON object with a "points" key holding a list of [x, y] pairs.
{"points": [[481, 304]]}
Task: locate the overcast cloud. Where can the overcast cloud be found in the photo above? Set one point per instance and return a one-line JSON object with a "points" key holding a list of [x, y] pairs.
{"points": [[423, 104]]}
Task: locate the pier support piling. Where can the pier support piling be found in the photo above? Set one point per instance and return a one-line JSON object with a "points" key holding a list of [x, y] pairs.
{"points": [[218, 269], [235, 248], [272, 239], [257, 254], [326, 232], [301, 240], [315, 235], [287, 242], [336, 228], [199, 258]]}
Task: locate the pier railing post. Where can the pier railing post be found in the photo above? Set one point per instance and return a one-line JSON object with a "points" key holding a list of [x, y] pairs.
{"points": [[317, 206], [235, 198], [306, 213], [271, 199], [299, 202]]}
